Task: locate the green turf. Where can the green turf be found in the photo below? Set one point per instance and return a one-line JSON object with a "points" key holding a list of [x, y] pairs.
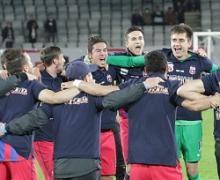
{"points": [[207, 166], [40, 174]]}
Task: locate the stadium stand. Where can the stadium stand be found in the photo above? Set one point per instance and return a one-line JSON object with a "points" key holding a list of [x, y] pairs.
{"points": [[78, 18]]}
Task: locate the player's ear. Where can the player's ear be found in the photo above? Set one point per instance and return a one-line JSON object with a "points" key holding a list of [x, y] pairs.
{"points": [[145, 69], [166, 68], [189, 43], [26, 68]]}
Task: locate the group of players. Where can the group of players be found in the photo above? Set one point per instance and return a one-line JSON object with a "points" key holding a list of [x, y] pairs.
{"points": [[77, 132]]}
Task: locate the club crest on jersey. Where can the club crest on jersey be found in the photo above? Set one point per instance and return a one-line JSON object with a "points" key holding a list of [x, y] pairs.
{"points": [[192, 70], [109, 78], [144, 74], [170, 67]]}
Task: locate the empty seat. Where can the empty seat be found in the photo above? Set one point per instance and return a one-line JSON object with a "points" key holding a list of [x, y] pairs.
{"points": [[71, 44], [17, 3], [28, 2], [50, 3], [30, 9], [39, 2]]}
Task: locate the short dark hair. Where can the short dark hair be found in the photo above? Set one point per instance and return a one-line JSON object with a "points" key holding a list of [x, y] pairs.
{"points": [[133, 28], [48, 54], [93, 39], [16, 64], [155, 61], [10, 54], [182, 28]]}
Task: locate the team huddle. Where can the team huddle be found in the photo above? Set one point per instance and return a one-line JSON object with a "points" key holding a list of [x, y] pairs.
{"points": [[66, 117]]}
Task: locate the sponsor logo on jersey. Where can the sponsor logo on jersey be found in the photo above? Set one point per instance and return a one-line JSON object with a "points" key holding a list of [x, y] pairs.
{"points": [[183, 79], [180, 70], [81, 100], [19, 91], [158, 90], [192, 70], [144, 74], [170, 67], [123, 71]]}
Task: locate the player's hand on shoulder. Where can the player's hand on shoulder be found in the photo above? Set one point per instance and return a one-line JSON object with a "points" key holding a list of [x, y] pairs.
{"points": [[36, 72], [201, 52], [67, 85], [3, 74], [215, 100], [152, 82]]}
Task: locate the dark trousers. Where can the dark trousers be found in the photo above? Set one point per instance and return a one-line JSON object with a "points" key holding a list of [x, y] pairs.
{"points": [[217, 154], [95, 175], [120, 170]]}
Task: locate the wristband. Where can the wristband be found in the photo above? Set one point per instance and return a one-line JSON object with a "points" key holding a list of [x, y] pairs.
{"points": [[2, 129], [146, 85], [76, 83]]}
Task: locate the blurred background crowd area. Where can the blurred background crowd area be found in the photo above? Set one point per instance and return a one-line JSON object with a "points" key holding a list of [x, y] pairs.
{"points": [[34, 23]]}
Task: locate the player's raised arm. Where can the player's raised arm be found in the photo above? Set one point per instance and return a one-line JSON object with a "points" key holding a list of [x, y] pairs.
{"points": [[25, 124], [126, 61]]}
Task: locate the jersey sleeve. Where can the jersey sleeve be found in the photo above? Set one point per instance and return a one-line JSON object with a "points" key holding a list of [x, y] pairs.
{"points": [[207, 65], [48, 109], [128, 83], [37, 88], [124, 97], [126, 61], [112, 71], [98, 103], [211, 83], [27, 123], [174, 98], [215, 67]]}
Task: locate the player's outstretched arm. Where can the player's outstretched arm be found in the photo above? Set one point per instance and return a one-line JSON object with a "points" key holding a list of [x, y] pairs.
{"points": [[191, 90], [50, 97], [123, 97], [129, 94], [90, 88], [126, 61], [198, 104], [25, 124]]}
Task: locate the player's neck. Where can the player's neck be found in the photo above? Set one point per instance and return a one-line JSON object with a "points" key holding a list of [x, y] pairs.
{"points": [[52, 71]]}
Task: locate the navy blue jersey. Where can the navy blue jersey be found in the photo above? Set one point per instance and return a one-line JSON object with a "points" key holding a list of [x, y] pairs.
{"points": [[54, 84], [212, 85], [16, 103], [123, 74], [108, 117], [189, 69], [105, 77], [152, 125], [77, 127]]}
